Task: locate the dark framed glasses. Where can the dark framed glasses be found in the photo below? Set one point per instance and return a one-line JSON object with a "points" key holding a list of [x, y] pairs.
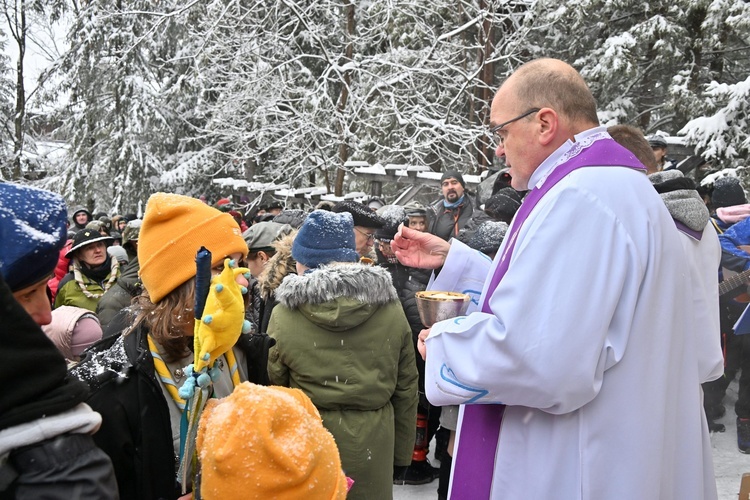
{"points": [[495, 131]]}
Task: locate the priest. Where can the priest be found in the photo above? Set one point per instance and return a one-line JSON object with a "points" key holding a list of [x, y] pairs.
{"points": [[580, 373]]}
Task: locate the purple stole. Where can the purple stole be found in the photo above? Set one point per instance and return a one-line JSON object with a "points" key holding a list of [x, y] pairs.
{"points": [[474, 459]]}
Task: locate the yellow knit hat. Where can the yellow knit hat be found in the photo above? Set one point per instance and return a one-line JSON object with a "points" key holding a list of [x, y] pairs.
{"points": [[173, 230], [267, 442]]}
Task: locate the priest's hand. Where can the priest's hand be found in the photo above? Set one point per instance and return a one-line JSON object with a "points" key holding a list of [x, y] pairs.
{"points": [[421, 346], [416, 249]]}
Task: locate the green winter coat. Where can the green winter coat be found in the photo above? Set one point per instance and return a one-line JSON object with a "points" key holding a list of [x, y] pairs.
{"points": [[69, 292], [343, 339]]}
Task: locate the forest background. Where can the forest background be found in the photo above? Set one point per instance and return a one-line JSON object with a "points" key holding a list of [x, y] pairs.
{"points": [[140, 96]]}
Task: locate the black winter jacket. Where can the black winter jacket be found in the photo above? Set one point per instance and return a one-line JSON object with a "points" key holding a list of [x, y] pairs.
{"points": [[447, 222], [416, 281], [65, 467], [118, 297]]}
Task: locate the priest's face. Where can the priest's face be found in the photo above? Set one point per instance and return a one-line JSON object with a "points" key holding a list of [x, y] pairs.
{"points": [[516, 138]]}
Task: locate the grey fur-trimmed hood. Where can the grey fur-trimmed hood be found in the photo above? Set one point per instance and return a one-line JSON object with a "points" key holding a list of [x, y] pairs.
{"points": [[684, 203], [687, 206], [361, 282]]}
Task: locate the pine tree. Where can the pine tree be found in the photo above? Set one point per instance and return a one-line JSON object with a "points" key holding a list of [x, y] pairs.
{"points": [[119, 73], [6, 114], [647, 63]]}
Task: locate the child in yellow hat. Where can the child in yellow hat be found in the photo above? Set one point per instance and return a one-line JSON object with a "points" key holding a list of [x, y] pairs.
{"points": [[267, 442], [136, 373]]}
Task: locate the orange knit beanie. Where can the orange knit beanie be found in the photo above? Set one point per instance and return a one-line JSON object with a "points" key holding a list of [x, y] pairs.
{"points": [[173, 230], [267, 442]]}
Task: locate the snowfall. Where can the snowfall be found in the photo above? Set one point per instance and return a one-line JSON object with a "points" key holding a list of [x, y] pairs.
{"points": [[729, 463]]}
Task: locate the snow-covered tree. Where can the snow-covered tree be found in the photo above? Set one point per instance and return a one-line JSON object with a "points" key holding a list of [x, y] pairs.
{"points": [[172, 95], [647, 63], [121, 76], [28, 23], [723, 136], [6, 115], [298, 87]]}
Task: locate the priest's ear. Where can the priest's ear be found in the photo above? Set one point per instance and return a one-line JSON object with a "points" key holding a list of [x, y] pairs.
{"points": [[548, 123]]}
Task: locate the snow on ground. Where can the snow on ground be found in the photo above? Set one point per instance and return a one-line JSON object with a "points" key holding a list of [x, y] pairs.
{"points": [[729, 463]]}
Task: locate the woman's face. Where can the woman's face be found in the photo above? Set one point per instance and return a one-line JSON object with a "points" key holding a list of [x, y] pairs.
{"points": [[93, 254], [418, 223]]}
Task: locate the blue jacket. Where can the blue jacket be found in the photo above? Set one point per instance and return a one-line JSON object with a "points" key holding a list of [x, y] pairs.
{"points": [[733, 257]]}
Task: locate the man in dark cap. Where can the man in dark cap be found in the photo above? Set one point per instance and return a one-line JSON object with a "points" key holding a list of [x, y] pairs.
{"points": [[659, 144], [451, 213], [366, 221], [81, 216], [274, 207]]}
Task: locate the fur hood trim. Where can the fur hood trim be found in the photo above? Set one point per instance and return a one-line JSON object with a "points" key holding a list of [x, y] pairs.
{"points": [[361, 282], [278, 267]]}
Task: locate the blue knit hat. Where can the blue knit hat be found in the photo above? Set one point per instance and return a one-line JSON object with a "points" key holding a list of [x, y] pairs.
{"points": [[32, 232], [325, 237]]}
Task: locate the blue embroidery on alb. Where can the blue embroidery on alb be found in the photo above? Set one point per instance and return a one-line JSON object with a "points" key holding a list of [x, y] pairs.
{"points": [[459, 319], [474, 294], [450, 377]]}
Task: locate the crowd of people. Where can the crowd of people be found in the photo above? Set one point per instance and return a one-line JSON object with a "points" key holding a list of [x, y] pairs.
{"points": [[593, 271]]}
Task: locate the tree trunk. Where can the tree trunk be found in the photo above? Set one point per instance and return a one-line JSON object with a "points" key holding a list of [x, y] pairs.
{"points": [[343, 98], [484, 148], [19, 117], [251, 165]]}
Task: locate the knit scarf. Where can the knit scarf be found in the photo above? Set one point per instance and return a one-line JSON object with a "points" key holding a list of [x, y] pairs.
{"points": [[79, 272], [162, 370]]}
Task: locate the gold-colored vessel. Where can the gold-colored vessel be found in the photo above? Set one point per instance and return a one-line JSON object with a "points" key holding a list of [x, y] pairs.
{"points": [[437, 306]]}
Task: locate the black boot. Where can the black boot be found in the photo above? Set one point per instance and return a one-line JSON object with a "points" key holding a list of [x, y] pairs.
{"points": [[743, 434], [714, 413], [445, 477], [419, 472], [441, 443], [716, 426]]}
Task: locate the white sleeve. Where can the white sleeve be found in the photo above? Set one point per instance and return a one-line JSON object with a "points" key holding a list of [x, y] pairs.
{"points": [[548, 340], [465, 271]]}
